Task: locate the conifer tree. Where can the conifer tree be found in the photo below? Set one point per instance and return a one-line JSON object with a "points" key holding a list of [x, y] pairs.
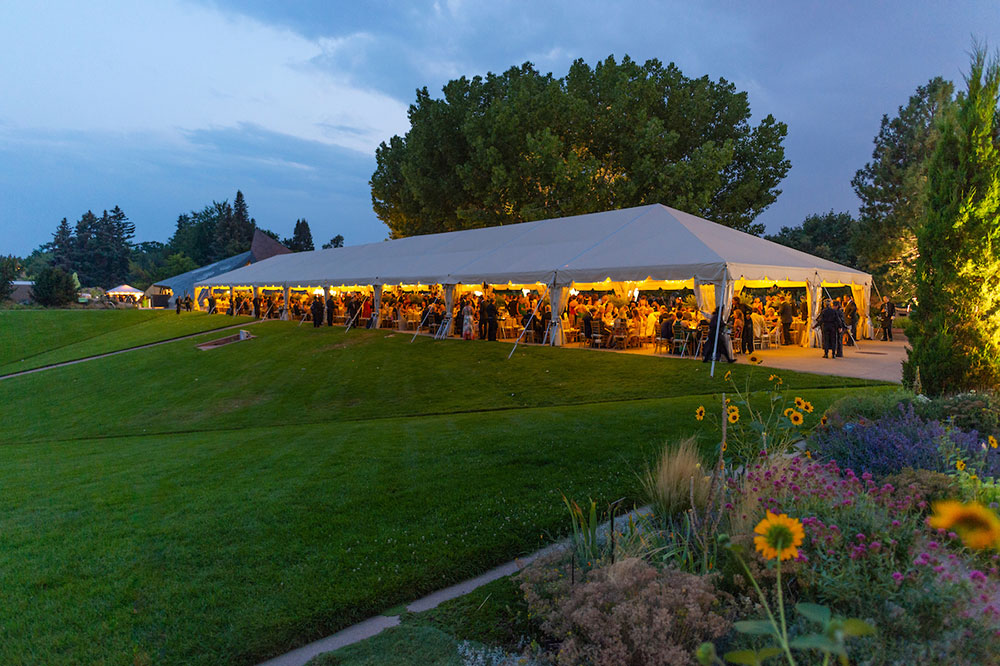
{"points": [[62, 246], [955, 330], [301, 240]]}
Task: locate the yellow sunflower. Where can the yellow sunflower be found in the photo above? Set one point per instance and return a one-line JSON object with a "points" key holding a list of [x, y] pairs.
{"points": [[809, 454], [975, 524], [795, 417], [822, 421], [779, 537], [729, 374], [799, 403], [724, 447], [699, 413], [993, 441], [807, 407], [755, 360], [734, 417], [960, 465], [788, 412]]}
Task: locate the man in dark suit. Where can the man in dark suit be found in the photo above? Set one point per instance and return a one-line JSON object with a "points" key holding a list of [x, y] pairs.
{"points": [[316, 310], [786, 312], [886, 313], [256, 306], [841, 327], [851, 316], [829, 322], [715, 341]]}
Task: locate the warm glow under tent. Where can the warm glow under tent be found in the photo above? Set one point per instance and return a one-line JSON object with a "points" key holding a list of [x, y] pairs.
{"points": [[647, 247], [125, 290]]}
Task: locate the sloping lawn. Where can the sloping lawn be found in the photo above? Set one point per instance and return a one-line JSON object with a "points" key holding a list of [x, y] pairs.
{"points": [[35, 338], [174, 506], [301, 375]]}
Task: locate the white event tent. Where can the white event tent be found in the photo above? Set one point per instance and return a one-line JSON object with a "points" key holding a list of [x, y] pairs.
{"points": [[647, 247]]}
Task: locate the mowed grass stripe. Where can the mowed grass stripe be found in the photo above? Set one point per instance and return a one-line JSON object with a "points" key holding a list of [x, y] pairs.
{"points": [[231, 547], [290, 375]]}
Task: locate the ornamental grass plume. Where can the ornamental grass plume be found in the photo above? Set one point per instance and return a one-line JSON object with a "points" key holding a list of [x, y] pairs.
{"points": [[676, 480], [975, 524]]}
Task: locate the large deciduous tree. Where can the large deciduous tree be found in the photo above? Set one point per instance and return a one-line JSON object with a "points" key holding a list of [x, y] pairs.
{"points": [[891, 188], [522, 146], [955, 329]]}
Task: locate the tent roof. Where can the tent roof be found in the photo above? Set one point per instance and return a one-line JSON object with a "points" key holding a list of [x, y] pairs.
{"points": [[651, 241], [125, 289]]}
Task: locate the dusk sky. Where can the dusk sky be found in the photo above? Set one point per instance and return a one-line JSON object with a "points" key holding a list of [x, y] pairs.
{"points": [[162, 107]]}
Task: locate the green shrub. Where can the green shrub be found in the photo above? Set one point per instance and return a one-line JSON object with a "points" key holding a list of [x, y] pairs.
{"points": [[928, 484], [870, 406], [54, 287], [968, 411], [9, 267]]}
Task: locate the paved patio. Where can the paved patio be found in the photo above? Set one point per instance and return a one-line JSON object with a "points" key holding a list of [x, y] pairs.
{"points": [[871, 359]]}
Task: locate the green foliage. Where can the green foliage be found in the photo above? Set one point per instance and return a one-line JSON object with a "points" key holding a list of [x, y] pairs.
{"points": [[891, 189], [523, 146], [10, 266], [827, 236], [585, 522], [408, 645], [336, 241], [53, 287], [233, 228], [927, 483], [870, 406], [301, 240], [968, 411], [955, 331]]}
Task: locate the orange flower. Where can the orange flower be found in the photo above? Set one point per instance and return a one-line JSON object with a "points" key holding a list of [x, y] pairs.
{"points": [[779, 537], [699, 413], [977, 526]]}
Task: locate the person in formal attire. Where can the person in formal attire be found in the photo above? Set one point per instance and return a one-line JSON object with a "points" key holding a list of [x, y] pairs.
{"points": [[715, 341], [256, 306], [886, 313], [468, 332], [841, 328], [316, 310], [851, 317], [828, 323], [492, 320], [587, 320], [329, 310], [786, 313]]}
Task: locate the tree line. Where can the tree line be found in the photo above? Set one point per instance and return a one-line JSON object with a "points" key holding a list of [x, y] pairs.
{"points": [[100, 250]]}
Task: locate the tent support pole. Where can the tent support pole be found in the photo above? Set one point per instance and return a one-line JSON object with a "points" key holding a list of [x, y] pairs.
{"points": [[530, 319], [424, 320]]}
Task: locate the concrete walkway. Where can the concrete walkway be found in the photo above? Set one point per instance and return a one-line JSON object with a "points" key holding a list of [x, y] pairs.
{"points": [[375, 625], [127, 349]]}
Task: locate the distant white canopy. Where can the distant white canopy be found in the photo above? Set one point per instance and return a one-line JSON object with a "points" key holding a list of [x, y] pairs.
{"points": [[125, 290], [647, 243]]}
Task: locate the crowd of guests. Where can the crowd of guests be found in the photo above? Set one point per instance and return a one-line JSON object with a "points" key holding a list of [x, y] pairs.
{"points": [[590, 318]]}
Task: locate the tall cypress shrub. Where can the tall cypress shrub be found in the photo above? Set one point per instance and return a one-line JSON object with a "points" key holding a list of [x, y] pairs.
{"points": [[955, 330]]}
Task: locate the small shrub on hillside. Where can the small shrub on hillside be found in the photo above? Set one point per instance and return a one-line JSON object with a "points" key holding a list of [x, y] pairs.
{"points": [[897, 440], [626, 613]]}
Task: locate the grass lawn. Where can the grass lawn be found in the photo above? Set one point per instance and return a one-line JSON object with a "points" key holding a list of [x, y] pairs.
{"points": [[288, 486], [33, 338]]}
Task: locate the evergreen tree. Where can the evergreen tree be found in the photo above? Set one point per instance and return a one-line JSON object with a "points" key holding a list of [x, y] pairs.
{"points": [[336, 241], [81, 258], [123, 231], [234, 229], [62, 246], [955, 329], [891, 189], [53, 287], [301, 240]]}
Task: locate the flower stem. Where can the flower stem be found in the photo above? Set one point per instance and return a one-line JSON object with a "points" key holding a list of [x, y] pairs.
{"points": [[781, 612]]}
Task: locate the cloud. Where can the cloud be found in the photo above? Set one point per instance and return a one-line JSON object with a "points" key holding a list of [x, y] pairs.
{"points": [[172, 67]]}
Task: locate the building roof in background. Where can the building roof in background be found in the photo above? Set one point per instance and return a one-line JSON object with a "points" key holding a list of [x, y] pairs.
{"points": [[262, 247]]}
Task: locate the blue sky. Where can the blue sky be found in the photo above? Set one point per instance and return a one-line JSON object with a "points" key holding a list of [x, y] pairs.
{"points": [[162, 107]]}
